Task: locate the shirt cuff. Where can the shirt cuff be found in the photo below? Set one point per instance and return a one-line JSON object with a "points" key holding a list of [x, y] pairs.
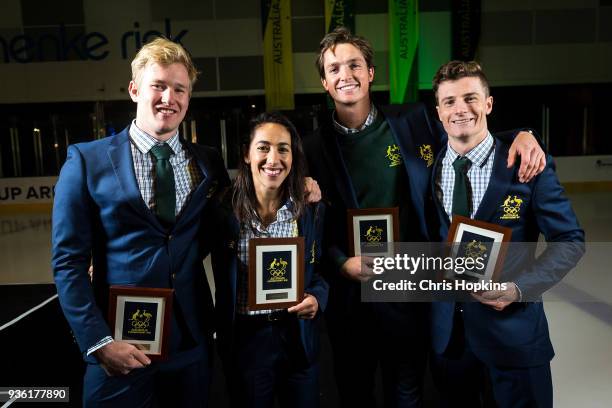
{"points": [[340, 260], [100, 344]]}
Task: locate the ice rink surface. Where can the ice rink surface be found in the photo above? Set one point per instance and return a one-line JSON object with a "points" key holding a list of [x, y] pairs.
{"points": [[579, 310]]}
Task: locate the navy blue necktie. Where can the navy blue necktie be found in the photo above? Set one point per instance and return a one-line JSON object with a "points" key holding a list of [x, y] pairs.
{"points": [[461, 196]]}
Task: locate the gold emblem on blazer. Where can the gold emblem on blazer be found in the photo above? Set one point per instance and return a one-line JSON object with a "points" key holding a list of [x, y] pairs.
{"points": [[512, 208], [394, 155], [313, 252], [426, 153]]}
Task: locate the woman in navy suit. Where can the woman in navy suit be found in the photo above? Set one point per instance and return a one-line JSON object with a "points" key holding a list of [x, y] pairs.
{"points": [[268, 354]]}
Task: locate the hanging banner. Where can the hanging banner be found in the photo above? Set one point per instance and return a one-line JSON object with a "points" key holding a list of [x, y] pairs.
{"points": [[278, 54], [465, 29], [403, 45], [339, 13]]}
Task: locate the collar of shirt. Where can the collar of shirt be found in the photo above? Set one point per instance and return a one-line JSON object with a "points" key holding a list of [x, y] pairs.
{"points": [[347, 131], [478, 155], [144, 142], [283, 214]]}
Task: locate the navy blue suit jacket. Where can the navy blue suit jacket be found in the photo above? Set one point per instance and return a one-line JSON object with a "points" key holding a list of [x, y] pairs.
{"points": [[225, 264], [517, 336], [412, 129], [99, 214]]}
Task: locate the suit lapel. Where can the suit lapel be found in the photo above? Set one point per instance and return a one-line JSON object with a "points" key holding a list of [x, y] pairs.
{"points": [[203, 190], [305, 225], [234, 238], [202, 160], [404, 137], [418, 145], [122, 161], [445, 221], [499, 183], [335, 162]]}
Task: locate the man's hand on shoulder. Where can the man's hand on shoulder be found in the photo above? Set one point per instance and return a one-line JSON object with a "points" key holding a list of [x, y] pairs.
{"points": [[533, 159], [312, 190], [119, 358]]}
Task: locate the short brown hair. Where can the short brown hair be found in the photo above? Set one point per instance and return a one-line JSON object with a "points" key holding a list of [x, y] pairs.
{"points": [[454, 70], [163, 52], [342, 35]]}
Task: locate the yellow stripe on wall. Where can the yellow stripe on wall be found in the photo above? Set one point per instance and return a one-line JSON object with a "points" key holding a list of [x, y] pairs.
{"points": [[28, 208], [588, 186]]}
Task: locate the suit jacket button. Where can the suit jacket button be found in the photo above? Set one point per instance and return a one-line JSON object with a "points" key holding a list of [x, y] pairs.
{"points": [[174, 276], [170, 237]]}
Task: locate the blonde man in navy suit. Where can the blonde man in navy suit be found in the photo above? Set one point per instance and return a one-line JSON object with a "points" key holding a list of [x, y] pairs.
{"points": [[499, 338], [133, 203]]}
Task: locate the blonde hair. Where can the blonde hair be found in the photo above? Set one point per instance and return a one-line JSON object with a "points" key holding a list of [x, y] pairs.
{"points": [[164, 52]]}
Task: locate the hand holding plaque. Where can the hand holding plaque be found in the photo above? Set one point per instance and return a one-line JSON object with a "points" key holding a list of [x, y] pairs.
{"points": [[276, 272], [141, 316], [372, 231], [479, 241]]}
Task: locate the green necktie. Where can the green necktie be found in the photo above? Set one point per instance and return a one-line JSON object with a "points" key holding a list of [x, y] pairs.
{"points": [[461, 203], [165, 193]]}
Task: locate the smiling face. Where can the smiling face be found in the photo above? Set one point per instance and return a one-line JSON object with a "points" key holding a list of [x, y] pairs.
{"points": [[463, 106], [347, 76], [269, 157], [162, 95]]}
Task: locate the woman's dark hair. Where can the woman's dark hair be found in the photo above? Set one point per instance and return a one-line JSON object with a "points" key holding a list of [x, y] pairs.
{"points": [[244, 200]]}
